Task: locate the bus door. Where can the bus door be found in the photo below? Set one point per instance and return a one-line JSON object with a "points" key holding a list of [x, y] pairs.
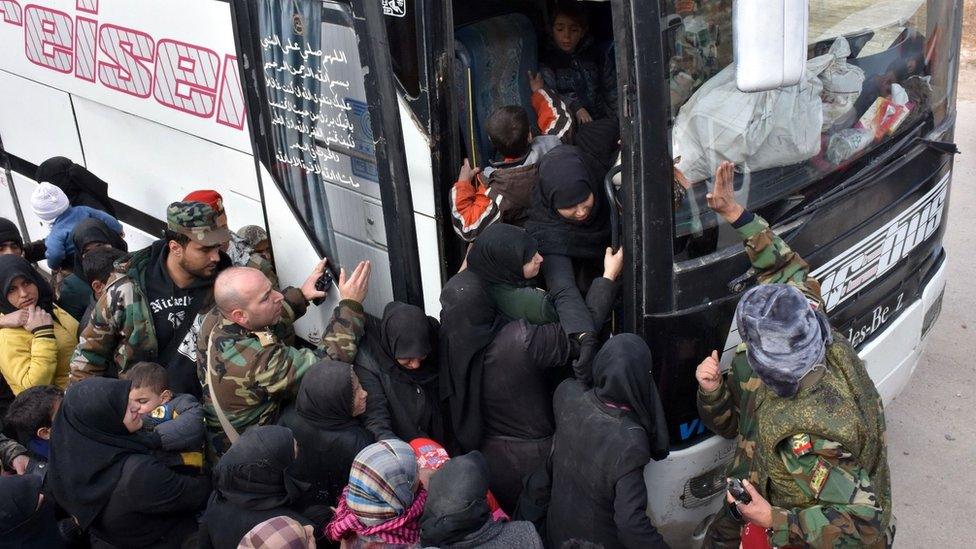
{"points": [[328, 143]]}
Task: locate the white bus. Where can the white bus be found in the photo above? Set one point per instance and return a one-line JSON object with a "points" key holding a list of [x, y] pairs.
{"points": [[339, 125]]}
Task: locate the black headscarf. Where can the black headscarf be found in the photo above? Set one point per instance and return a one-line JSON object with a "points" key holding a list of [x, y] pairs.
{"points": [[405, 331], [12, 267], [9, 231], [22, 523], [90, 231], [469, 322], [567, 177], [254, 474], [622, 375], [457, 501], [325, 397], [499, 253], [82, 187], [89, 444]]}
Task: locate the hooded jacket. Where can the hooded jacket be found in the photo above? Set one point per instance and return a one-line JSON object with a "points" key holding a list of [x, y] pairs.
{"points": [[121, 330]]}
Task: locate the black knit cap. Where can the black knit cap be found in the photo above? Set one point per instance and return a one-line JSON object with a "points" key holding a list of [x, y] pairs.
{"points": [[9, 232]]}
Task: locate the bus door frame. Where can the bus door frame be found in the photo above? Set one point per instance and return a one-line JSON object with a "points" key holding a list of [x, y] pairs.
{"points": [[391, 164], [646, 193]]}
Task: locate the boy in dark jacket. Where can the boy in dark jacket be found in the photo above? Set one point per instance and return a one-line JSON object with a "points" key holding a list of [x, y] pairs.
{"points": [[503, 190], [97, 267], [177, 419], [31, 415], [574, 69]]}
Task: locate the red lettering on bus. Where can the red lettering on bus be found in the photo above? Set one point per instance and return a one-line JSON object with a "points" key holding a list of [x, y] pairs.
{"points": [[85, 49], [48, 38], [11, 12], [231, 110], [90, 6], [127, 50], [186, 77]]}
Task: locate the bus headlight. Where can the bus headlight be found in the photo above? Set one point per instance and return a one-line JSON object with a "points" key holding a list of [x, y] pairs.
{"points": [[702, 489]]}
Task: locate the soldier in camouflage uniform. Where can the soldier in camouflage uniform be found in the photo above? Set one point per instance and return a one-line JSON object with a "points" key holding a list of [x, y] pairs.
{"points": [[241, 352], [813, 456], [137, 306], [242, 253]]}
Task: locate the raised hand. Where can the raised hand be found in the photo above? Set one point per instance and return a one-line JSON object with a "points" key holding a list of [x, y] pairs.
{"points": [[708, 375], [356, 285], [536, 82], [467, 173], [722, 197]]}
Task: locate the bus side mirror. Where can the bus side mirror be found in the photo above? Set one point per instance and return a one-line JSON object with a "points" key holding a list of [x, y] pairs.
{"points": [[769, 42]]}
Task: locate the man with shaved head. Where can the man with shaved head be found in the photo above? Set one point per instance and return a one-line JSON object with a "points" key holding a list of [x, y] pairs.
{"points": [[244, 365]]}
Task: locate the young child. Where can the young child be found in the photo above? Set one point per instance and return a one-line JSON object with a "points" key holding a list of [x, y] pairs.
{"points": [[51, 205], [571, 66], [31, 415], [97, 266], [503, 190], [177, 419]]}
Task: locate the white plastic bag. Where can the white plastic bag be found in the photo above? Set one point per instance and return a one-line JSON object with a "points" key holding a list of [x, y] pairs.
{"points": [[842, 84], [755, 130]]}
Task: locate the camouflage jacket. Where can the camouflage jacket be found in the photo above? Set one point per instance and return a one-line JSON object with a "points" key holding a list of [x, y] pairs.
{"points": [[730, 411], [241, 255], [121, 330], [255, 371]]}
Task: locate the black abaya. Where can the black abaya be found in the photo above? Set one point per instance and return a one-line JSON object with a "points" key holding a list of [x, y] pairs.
{"points": [[328, 436], [89, 445], [24, 523]]}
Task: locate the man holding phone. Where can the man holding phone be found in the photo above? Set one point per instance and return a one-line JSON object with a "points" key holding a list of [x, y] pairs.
{"points": [[808, 421], [243, 362]]}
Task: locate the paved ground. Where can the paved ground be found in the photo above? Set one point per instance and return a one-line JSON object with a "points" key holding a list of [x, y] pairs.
{"points": [[932, 424]]}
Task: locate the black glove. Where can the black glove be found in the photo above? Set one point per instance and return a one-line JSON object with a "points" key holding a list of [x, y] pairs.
{"points": [[583, 365]]}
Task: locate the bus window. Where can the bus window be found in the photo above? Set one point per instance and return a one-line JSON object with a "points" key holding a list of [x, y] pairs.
{"points": [[877, 71], [323, 151], [401, 31]]}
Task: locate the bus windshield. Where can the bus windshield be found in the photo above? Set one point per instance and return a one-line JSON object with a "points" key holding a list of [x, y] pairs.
{"points": [[877, 70]]}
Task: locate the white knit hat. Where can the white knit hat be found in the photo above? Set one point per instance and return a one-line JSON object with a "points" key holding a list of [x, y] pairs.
{"points": [[48, 202]]}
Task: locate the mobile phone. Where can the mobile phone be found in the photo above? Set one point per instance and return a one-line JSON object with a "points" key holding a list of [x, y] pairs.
{"points": [[739, 491], [323, 284]]}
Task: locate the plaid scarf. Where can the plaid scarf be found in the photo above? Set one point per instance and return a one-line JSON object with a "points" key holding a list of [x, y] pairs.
{"points": [[382, 481], [404, 529]]}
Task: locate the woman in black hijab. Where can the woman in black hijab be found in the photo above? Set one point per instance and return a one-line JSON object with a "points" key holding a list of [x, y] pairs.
{"points": [[26, 517], [102, 471], [507, 260], [604, 438], [253, 483], [38, 351], [457, 516], [82, 187], [397, 366], [570, 218], [75, 294], [329, 436]]}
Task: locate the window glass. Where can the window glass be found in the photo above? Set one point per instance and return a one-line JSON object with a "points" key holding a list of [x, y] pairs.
{"points": [[876, 70], [401, 31], [321, 134]]}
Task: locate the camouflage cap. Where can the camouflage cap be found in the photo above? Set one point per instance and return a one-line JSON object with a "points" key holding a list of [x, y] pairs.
{"points": [[198, 221]]}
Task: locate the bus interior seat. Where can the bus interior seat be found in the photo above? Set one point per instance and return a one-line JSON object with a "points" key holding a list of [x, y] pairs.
{"points": [[494, 57]]}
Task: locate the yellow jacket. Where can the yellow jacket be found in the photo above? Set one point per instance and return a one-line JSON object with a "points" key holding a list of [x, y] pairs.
{"points": [[40, 358]]}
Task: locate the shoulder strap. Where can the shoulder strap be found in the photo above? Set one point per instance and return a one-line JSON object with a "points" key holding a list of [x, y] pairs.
{"points": [[225, 424]]}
